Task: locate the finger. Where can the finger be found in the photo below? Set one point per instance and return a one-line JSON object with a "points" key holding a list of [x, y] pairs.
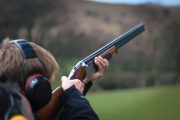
{"points": [[81, 88], [79, 85], [100, 62], [75, 82], [78, 82], [106, 62], [65, 83], [97, 62], [82, 84], [103, 60]]}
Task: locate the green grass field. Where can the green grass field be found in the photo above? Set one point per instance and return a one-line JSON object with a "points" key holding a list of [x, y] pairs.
{"points": [[156, 103]]}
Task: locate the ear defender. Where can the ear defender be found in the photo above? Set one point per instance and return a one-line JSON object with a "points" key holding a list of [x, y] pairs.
{"points": [[36, 87], [38, 91]]}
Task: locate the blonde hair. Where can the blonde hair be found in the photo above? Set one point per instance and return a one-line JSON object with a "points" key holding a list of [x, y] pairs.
{"points": [[11, 62]]}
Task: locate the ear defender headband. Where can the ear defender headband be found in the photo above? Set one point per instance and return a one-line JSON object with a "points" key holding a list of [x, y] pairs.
{"points": [[36, 87]]}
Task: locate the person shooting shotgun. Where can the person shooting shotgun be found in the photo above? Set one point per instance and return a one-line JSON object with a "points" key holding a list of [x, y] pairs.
{"points": [[34, 68]]}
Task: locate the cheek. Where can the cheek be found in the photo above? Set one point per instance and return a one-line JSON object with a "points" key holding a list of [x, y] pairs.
{"points": [[52, 78]]}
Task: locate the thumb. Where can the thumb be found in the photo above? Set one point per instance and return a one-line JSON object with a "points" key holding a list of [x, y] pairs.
{"points": [[63, 78]]}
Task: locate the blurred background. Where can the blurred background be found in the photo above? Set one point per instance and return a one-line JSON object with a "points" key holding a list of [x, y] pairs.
{"points": [[142, 82]]}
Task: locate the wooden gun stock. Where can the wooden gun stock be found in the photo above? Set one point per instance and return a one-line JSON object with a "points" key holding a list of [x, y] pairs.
{"points": [[86, 67], [50, 111]]}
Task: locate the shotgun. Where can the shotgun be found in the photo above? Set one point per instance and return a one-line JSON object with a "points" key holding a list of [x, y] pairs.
{"points": [[86, 67]]}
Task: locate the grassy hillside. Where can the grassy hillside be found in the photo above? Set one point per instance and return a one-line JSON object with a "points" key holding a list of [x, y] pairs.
{"points": [[159, 103]]}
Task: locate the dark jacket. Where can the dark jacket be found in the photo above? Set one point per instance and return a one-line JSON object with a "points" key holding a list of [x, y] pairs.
{"points": [[76, 106]]}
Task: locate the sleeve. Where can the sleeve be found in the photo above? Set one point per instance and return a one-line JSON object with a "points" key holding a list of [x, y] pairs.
{"points": [[76, 106], [87, 87]]}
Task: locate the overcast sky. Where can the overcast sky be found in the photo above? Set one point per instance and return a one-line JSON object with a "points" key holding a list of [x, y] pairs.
{"points": [[162, 2]]}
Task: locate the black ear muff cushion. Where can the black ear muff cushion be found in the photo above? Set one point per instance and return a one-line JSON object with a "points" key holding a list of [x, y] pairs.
{"points": [[38, 91]]}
